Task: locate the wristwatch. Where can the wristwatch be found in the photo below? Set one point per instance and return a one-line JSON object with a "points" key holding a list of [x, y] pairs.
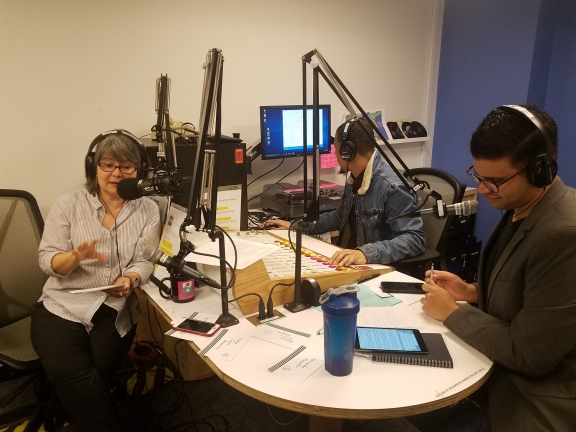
{"points": [[134, 281]]}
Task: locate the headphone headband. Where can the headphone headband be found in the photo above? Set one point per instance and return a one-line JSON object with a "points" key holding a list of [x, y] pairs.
{"points": [[89, 167], [543, 168], [348, 125], [535, 121]]}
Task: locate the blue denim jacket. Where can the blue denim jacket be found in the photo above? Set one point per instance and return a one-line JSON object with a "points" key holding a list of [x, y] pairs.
{"points": [[381, 196]]}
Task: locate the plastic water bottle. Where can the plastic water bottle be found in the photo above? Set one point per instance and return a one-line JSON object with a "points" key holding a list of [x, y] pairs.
{"points": [[340, 307]]}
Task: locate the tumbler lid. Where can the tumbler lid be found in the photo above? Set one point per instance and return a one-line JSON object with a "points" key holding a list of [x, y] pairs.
{"points": [[341, 302]]}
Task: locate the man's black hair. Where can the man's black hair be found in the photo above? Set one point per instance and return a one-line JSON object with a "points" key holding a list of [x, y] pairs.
{"points": [[364, 145], [504, 133]]}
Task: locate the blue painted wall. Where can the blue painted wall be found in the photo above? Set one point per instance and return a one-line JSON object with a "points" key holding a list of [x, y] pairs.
{"points": [[495, 52], [561, 92]]}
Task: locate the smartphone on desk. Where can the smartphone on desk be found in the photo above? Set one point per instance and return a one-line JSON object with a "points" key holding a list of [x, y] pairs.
{"points": [[402, 287], [202, 328], [392, 340]]}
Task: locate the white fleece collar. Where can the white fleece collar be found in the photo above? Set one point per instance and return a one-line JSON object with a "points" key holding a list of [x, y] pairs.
{"points": [[367, 176]]}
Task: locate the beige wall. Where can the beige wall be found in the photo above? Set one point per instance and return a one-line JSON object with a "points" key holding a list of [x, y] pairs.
{"points": [[71, 69]]}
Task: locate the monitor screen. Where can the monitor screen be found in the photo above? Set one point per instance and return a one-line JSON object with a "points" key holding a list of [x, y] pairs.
{"points": [[281, 130]]}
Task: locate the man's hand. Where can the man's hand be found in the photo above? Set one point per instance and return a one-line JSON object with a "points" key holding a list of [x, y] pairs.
{"points": [[347, 257], [456, 287], [437, 302], [275, 223]]}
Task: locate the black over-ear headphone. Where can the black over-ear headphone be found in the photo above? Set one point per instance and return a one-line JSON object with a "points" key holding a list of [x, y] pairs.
{"points": [[543, 168], [89, 165], [347, 148]]}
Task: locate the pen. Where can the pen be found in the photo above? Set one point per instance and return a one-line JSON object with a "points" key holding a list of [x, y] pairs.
{"points": [[432, 272], [417, 301], [319, 332]]}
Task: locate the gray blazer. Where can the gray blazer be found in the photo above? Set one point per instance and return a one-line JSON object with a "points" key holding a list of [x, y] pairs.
{"points": [[527, 325]]}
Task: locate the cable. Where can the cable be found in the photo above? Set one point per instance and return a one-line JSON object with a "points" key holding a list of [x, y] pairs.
{"points": [[267, 172], [150, 324], [232, 268], [142, 352], [289, 231], [277, 181], [277, 422]]}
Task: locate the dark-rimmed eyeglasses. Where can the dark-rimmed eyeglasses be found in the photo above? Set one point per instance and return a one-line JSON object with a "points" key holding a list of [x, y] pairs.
{"points": [[491, 185], [110, 167]]}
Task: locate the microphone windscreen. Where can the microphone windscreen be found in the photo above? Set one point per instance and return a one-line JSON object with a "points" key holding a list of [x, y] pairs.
{"points": [[127, 189], [472, 207]]}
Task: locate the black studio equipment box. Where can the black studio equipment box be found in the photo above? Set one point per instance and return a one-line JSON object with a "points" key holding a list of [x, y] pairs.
{"points": [[288, 199], [232, 168], [463, 249]]}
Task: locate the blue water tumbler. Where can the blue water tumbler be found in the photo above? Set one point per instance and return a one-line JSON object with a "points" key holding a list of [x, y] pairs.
{"points": [[340, 307]]}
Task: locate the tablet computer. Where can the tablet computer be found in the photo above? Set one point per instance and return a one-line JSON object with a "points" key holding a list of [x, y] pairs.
{"points": [[395, 340]]}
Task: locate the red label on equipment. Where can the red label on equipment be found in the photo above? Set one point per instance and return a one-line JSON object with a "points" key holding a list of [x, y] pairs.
{"points": [[239, 156]]}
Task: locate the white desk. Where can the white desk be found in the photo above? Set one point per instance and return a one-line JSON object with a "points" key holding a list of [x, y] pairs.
{"points": [[373, 390]]}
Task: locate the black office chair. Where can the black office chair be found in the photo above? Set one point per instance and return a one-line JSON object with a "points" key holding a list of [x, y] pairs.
{"points": [[436, 229], [21, 282]]}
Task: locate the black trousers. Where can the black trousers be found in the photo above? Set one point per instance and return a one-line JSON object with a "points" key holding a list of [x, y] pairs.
{"points": [[81, 365]]}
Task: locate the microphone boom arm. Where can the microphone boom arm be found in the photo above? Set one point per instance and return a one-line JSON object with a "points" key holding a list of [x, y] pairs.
{"points": [[316, 61]]}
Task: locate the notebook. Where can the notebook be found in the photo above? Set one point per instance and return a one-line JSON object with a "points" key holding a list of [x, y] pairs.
{"points": [[438, 355]]}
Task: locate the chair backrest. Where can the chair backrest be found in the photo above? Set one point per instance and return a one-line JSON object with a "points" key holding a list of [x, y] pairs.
{"points": [[452, 192], [21, 280]]}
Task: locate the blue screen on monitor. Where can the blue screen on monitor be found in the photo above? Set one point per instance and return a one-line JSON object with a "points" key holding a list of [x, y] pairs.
{"points": [[281, 130]]}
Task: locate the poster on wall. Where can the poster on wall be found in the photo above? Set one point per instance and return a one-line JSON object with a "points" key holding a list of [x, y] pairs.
{"points": [[378, 117]]}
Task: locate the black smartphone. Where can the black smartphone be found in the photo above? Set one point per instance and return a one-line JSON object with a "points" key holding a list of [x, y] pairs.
{"points": [[402, 287], [407, 341], [197, 327]]}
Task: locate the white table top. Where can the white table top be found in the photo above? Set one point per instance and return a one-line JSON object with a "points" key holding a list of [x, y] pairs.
{"points": [[372, 387]]}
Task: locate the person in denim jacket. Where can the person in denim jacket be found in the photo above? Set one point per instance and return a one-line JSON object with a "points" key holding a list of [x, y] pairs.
{"points": [[373, 194]]}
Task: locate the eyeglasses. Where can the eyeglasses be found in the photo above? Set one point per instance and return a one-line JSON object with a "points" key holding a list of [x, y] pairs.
{"points": [[110, 167], [493, 186]]}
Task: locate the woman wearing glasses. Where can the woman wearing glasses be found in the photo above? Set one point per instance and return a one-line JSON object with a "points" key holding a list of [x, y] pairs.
{"points": [[92, 239]]}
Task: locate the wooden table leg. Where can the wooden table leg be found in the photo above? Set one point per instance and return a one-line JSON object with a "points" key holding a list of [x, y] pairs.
{"points": [[325, 424]]}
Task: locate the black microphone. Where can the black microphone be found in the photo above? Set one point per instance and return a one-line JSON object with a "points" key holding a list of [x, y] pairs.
{"points": [[465, 208], [165, 184], [178, 265]]}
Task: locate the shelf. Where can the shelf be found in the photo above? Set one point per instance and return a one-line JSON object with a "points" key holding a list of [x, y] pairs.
{"points": [[408, 140]]}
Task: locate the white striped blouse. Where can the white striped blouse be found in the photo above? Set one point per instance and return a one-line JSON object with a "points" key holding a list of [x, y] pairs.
{"points": [[76, 218]]}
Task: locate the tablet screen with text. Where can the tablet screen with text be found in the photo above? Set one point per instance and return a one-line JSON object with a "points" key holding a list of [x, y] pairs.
{"points": [[390, 340]]}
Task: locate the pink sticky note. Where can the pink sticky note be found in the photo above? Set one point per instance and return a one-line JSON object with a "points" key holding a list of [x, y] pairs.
{"points": [[328, 160]]}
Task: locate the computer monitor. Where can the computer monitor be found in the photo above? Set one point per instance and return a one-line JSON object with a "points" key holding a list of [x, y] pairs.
{"points": [[281, 129]]}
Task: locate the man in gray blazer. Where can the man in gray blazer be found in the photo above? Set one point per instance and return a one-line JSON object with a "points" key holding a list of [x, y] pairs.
{"points": [[522, 312]]}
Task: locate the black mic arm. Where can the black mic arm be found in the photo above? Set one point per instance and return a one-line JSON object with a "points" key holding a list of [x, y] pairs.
{"points": [[316, 61]]}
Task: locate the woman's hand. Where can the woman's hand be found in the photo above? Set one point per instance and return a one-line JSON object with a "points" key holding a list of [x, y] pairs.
{"points": [[63, 263], [120, 291], [87, 250]]}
